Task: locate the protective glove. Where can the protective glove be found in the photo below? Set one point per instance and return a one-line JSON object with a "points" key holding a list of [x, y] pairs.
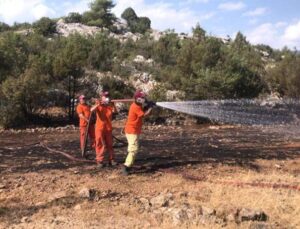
{"points": [[149, 104]]}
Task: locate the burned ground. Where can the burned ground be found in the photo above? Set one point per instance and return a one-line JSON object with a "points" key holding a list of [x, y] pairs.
{"points": [[220, 167]]}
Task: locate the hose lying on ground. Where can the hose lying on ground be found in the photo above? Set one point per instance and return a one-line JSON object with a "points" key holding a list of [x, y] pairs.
{"points": [[65, 154], [234, 182]]}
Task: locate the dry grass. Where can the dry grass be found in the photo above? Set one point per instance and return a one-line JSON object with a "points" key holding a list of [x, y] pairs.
{"points": [[282, 206]]}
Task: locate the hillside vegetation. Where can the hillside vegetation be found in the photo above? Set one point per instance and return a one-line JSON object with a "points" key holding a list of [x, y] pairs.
{"points": [[40, 68]]}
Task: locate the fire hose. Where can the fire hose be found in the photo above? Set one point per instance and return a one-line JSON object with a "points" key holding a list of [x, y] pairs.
{"points": [[67, 155], [234, 183]]}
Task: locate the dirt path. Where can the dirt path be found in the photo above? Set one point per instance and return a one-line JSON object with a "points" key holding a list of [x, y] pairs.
{"points": [[200, 167]]}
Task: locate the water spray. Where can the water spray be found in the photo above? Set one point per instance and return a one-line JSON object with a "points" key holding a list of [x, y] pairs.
{"points": [[243, 111]]}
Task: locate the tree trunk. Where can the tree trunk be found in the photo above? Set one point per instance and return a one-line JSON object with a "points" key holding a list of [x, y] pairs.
{"points": [[69, 97], [73, 97]]}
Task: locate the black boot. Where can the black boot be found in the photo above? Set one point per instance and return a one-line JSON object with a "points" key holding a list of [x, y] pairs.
{"points": [[125, 170], [113, 163], [100, 165]]}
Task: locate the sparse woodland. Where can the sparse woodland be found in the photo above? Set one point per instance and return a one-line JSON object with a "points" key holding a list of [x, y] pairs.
{"points": [[41, 68]]}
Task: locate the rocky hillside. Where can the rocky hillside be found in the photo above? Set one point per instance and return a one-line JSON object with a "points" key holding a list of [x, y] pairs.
{"points": [[52, 61]]}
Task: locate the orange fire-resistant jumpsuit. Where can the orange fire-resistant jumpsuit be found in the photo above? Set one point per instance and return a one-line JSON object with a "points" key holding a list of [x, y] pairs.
{"points": [[103, 132], [85, 111], [133, 130]]}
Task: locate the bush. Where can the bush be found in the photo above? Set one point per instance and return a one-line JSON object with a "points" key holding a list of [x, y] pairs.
{"points": [[158, 94], [206, 68], [102, 53], [13, 55], [117, 88], [4, 27], [100, 14], [284, 78], [26, 95], [12, 110], [45, 26], [36, 43], [129, 15], [11, 115], [73, 18], [135, 23], [35, 86], [199, 34], [119, 70], [21, 26], [166, 50], [143, 25]]}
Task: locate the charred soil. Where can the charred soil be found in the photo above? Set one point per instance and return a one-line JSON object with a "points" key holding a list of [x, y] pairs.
{"points": [[185, 176]]}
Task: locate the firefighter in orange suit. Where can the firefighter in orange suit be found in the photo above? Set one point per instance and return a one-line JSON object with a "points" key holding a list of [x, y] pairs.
{"points": [[83, 111], [104, 109]]}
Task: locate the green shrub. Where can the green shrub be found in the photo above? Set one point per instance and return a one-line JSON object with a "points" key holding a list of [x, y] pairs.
{"points": [[21, 26], [117, 88], [135, 23], [284, 78], [103, 51], [129, 15], [73, 17], [12, 107], [99, 14], [45, 26], [4, 27]]}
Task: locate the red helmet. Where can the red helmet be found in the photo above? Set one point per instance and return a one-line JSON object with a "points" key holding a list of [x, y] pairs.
{"points": [[81, 97], [139, 94], [104, 93]]}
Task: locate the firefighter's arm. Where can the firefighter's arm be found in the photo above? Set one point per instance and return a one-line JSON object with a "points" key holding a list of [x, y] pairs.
{"points": [[80, 113], [148, 112], [114, 108], [94, 107], [149, 106], [97, 104], [82, 117]]}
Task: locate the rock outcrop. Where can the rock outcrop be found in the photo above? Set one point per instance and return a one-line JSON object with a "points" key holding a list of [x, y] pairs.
{"points": [[66, 29]]}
